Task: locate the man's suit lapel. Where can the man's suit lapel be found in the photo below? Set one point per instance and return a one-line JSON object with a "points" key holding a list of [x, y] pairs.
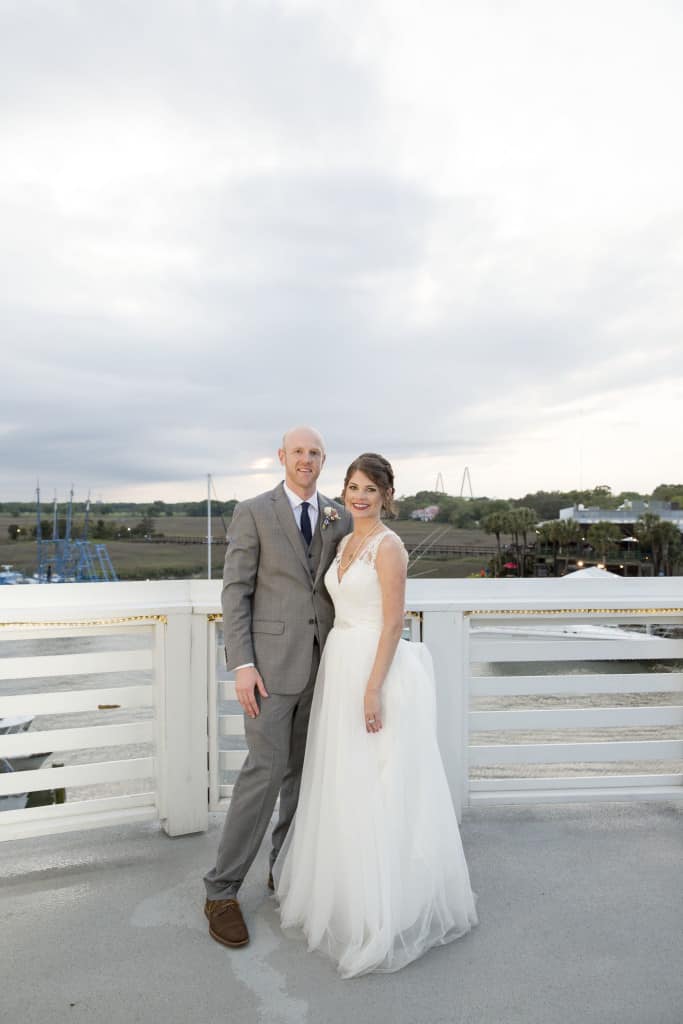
{"points": [[329, 537], [283, 511]]}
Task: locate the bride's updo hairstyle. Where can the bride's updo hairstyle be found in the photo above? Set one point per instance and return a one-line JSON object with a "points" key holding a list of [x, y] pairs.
{"points": [[378, 469]]}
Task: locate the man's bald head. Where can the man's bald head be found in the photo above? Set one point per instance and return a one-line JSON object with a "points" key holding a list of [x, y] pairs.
{"points": [[302, 435], [303, 455]]}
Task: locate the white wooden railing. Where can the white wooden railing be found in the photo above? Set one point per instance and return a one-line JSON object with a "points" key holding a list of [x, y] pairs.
{"points": [[160, 717]]}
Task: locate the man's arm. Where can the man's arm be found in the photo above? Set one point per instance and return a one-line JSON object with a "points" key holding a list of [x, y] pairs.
{"points": [[239, 580]]}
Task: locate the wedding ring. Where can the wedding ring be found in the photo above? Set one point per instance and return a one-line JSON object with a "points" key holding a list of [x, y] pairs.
{"points": [[371, 721]]}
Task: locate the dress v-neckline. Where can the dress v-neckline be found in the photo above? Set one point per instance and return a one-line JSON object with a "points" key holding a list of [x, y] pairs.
{"points": [[340, 579]]}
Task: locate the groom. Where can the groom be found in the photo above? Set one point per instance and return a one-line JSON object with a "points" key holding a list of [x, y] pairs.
{"points": [[276, 617]]}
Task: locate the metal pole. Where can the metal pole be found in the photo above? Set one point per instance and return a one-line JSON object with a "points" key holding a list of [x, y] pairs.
{"points": [[56, 558], [39, 532], [208, 522]]}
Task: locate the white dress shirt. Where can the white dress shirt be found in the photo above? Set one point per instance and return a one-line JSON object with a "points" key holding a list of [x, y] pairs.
{"points": [[296, 502]]}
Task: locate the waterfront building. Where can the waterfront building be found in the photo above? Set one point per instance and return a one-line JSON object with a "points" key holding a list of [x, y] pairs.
{"points": [[627, 515]]}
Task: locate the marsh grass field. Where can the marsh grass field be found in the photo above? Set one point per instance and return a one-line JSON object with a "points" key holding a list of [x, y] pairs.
{"points": [[181, 552]]}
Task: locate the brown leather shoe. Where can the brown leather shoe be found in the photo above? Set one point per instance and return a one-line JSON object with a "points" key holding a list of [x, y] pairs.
{"points": [[271, 883], [226, 924]]}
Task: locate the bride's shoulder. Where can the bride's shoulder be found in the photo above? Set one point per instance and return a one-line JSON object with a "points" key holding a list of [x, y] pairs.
{"points": [[389, 544]]}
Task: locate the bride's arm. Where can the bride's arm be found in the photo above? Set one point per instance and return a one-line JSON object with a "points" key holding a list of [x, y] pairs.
{"points": [[391, 569]]}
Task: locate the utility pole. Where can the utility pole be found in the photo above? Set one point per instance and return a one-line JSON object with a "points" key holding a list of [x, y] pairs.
{"points": [[208, 523], [39, 531]]}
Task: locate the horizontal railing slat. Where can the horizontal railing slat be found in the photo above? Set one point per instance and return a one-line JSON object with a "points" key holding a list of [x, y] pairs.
{"points": [[572, 795], [572, 718], [623, 682], [558, 753], [22, 744], [47, 666], [72, 701], [226, 689], [75, 629], [231, 725], [576, 782], [80, 807], [77, 775], [69, 817], [228, 760], [494, 651]]}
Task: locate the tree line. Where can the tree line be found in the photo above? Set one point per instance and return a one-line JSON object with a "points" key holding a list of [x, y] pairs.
{"points": [[657, 539], [469, 513]]}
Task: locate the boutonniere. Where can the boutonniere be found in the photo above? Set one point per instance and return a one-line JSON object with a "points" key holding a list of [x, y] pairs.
{"points": [[330, 515]]}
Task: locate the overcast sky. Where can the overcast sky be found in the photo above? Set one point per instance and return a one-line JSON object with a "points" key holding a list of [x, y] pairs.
{"points": [[449, 232]]}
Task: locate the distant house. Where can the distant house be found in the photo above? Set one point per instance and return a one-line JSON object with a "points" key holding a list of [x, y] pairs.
{"points": [[426, 515], [626, 515]]}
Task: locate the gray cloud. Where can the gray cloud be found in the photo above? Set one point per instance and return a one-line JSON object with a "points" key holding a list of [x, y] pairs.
{"points": [[266, 258]]}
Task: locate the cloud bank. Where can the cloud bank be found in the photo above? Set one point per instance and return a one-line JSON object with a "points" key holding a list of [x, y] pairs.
{"points": [[453, 235]]}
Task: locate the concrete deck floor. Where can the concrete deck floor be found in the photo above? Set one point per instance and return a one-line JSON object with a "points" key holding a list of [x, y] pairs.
{"points": [[581, 920]]}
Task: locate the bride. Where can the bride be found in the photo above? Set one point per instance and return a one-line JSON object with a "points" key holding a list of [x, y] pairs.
{"points": [[373, 869]]}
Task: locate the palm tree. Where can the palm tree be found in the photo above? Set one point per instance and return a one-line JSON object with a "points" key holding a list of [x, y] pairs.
{"points": [[496, 523], [602, 536], [524, 519], [551, 534], [571, 533], [667, 546], [644, 530]]}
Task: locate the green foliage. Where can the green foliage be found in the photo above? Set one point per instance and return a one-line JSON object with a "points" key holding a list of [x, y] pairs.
{"points": [[145, 528], [463, 513], [99, 530], [45, 529], [199, 508], [662, 540], [547, 504], [667, 492], [603, 537]]}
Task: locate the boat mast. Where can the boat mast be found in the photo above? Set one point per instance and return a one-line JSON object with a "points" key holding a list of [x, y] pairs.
{"points": [[208, 523], [69, 515], [39, 531]]}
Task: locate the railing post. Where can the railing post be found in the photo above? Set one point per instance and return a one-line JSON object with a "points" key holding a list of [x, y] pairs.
{"points": [[444, 633], [182, 741]]}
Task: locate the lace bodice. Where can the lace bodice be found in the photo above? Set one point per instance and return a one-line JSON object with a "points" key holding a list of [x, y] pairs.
{"points": [[357, 596]]}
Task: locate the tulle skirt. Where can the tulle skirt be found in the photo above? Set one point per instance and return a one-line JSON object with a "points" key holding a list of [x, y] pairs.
{"points": [[373, 869]]}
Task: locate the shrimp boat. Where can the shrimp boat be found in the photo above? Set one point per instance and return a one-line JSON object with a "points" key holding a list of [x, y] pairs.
{"points": [[18, 724], [9, 577]]}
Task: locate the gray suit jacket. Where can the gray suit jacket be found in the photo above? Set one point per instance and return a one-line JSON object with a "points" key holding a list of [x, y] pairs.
{"points": [[274, 598]]}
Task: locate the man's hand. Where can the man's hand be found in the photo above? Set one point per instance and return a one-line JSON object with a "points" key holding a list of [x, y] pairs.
{"points": [[247, 682]]}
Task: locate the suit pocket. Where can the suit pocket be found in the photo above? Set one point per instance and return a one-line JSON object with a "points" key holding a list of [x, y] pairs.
{"points": [[268, 626]]}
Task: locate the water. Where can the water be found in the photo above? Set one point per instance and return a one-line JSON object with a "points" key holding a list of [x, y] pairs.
{"points": [[142, 638]]}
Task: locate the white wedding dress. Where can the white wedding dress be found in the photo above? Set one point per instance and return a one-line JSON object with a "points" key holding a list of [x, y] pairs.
{"points": [[373, 868]]}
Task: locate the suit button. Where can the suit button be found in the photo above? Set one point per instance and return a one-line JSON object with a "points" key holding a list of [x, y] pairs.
{"points": [[311, 622]]}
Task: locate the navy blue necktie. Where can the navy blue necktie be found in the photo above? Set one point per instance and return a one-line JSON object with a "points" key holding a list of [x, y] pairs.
{"points": [[306, 523]]}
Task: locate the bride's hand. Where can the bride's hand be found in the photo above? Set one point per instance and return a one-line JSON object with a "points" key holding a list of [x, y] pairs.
{"points": [[372, 708]]}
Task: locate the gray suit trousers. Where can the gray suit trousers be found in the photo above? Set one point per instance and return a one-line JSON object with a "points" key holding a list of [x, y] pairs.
{"points": [[276, 741]]}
